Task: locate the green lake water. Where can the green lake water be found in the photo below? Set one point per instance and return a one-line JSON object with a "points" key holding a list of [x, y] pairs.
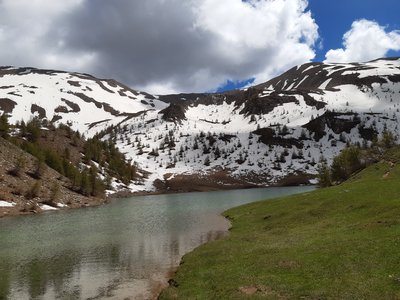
{"points": [[122, 250]]}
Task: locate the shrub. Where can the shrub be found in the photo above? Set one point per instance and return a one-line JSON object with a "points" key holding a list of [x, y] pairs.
{"points": [[34, 190], [324, 175], [346, 163], [39, 168], [18, 167], [55, 192], [388, 140]]}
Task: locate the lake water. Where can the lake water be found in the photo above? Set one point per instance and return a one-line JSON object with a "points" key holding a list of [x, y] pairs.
{"points": [[123, 250]]}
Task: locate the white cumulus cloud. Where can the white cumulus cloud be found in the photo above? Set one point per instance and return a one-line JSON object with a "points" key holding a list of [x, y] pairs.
{"points": [[159, 45], [366, 40]]}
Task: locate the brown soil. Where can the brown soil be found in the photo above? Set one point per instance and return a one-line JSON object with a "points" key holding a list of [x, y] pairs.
{"points": [[295, 179], [248, 290], [217, 180]]}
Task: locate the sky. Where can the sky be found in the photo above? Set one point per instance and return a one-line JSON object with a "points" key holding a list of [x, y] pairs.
{"points": [[171, 46]]}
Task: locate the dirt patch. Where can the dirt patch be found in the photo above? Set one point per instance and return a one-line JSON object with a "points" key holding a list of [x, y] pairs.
{"points": [[40, 110], [295, 180], [74, 107], [267, 136], [74, 83], [7, 105], [388, 172], [333, 121], [105, 106], [217, 179], [248, 290], [175, 112]]}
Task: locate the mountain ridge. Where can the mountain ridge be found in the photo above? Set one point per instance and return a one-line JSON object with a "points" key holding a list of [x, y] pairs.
{"points": [[272, 133]]}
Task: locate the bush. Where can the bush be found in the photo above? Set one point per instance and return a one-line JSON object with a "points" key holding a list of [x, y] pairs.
{"points": [[39, 168], [18, 167], [346, 163], [34, 191], [388, 139], [324, 175], [55, 192]]}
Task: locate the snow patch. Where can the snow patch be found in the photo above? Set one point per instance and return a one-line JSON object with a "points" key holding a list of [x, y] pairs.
{"points": [[6, 204], [47, 207]]}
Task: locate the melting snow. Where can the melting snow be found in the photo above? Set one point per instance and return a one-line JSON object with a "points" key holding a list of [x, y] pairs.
{"points": [[6, 204], [47, 207]]}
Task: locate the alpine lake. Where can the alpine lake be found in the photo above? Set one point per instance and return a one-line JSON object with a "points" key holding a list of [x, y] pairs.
{"points": [[127, 249]]}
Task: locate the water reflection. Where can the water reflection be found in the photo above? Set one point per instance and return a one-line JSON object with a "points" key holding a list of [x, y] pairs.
{"points": [[122, 250]]}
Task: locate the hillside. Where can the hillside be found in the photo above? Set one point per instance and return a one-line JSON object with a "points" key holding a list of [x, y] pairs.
{"points": [[44, 167], [22, 192], [270, 134], [333, 243]]}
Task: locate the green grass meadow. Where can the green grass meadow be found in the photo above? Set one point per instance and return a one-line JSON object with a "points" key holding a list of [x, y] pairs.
{"points": [[341, 242]]}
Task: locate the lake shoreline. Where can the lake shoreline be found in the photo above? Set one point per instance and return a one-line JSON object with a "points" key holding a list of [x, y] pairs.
{"points": [[339, 242], [156, 292], [129, 248], [13, 211]]}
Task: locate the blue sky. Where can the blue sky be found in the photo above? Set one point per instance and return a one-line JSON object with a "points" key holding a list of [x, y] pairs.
{"points": [[335, 17]]}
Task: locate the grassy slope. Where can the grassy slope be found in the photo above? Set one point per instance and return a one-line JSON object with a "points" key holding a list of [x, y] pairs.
{"points": [[335, 243]]}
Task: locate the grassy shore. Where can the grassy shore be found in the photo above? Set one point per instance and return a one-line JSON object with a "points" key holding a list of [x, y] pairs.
{"points": [[341, 242]]}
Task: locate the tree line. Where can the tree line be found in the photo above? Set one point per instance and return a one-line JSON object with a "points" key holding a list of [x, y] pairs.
{"points": [[353, 159]]}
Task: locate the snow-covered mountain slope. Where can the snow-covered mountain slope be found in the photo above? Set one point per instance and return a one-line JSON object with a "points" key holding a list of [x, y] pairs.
{"points": [[71, 98], [262, 135]]}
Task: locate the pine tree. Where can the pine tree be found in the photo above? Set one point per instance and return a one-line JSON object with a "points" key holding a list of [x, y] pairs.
{"points": [[388, 140], [284, 130], [4, 126], [217, 153], [195, 145], [85, 188], [96, 185], [55, 192], [39, 168], [33, 130], [324, 175], [303, 135]]}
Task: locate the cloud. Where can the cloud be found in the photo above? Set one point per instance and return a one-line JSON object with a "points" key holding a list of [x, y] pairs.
{"points": [[25, 39], [366, 40], [160, 45]]}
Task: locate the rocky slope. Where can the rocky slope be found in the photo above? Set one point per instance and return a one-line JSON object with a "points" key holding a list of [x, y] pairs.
{"points": [[272, 133], [21, 192]]}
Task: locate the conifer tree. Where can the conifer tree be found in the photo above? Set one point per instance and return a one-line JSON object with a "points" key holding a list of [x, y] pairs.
{"points": [[324, 175], [4, 126]]}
